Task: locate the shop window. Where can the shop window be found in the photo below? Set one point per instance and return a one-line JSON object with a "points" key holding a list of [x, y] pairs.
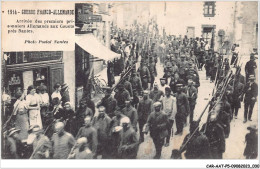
{"points": [[40, 76], [209, 8]]}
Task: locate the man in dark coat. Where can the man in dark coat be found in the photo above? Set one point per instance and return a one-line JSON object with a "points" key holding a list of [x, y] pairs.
{"points": [[128, 146], [144, 75], [183, 109], [121, 96], [152, 70], [65, 96], [216, 136], [198, 144], [158, 123], [250, 92], [109, 103], [131, 113], [192, 94], [236, 102], [251, 143], [115, 136], [156, 94], [102, 124], [144, 110], [136, 83], [90, 133], [250, 67]]}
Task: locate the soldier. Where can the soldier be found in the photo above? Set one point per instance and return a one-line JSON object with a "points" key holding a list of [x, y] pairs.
{"points": [[158, 124], [192, 94], [183, 109], [62, 142], [169, 107], [115, 129], [128, 87], [102, 124], [198, 144], [156, 93], [251, 143], [236, 101], [128, 146], [81, 150], [225, 115], [136, 83], [250, 92], [152, 70], [109, 103], [250, 67], [121, 96], [145, 76], [216, 136], [131, 113], [144, 110], [183, 67], [89, 132], [41, 145]]}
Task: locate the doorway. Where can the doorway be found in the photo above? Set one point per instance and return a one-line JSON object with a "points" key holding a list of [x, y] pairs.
{"points": [[190, 32], [208, 34]]}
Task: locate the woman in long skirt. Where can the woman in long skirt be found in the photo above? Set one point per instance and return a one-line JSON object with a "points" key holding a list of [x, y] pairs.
{"points": [[33, 104], [21, 115]]}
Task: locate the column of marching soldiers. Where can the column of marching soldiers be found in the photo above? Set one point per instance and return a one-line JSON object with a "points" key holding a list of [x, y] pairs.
{"points": [[136, 106]]}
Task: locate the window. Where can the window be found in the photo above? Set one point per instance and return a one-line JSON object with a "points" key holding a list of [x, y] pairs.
{"points": [[209, 9]]}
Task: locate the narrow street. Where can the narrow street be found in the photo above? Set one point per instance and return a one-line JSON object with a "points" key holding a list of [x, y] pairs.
{"points": [[234, 144]]}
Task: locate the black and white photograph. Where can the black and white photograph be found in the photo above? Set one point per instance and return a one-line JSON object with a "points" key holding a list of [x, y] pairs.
{"points": [[146, 80]]}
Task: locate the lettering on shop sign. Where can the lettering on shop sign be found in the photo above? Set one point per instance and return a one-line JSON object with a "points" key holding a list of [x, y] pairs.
{"points": [[25, 57]]}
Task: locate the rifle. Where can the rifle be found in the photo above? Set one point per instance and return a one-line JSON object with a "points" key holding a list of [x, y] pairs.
{"points": [[177, 153], [123, 77]]}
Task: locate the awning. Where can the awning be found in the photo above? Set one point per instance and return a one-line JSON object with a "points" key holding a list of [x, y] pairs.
{"points": [[91, 45]]}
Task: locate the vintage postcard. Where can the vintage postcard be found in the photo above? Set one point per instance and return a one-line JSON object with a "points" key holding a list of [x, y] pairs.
{"points": [[172, 80]]}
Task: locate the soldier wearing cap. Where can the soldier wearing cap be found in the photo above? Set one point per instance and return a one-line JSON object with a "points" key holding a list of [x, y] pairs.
{"points": [[157, 124], [136, 83], [156, 93], [169, 107], [152, 70], [89, 132], [251, 143], [145, 76], [144, 109], [121, 96], [128, 146], [41, 145], [62, 142], [102, 123], [131, 113], [192, 94], [81, 150], [216, 136], [197, 146], [183, 109], [250, 92], [109, 102], [183, 65], [250, 67]]}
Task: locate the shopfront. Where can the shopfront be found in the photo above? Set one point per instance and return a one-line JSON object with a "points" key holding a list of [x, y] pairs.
{"points": [[33, 68]]}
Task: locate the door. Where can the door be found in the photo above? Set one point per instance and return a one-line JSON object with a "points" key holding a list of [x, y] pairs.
{"points": [[208, 35], [190, 32], [56, 75]]}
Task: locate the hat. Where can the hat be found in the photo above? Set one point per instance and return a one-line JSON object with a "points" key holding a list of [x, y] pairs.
{"points": [[146, 92], [252, 56], [251, 77], [190, 63], [183, 56], [12, 131], [125, 120], [156, 104], [167, 88], [82, 140], [64, 86], [31, 127], [37, 129], [252, 127], [179, 85], [67, 103]]}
